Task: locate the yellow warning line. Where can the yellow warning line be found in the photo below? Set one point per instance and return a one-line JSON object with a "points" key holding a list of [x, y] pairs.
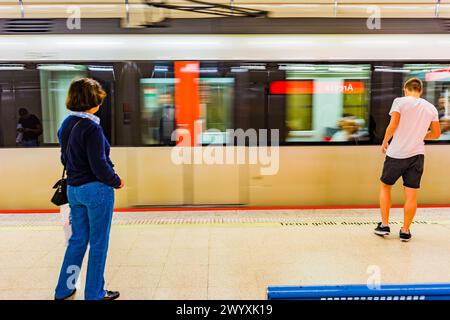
{"points": [[220, 225], [202, 225], [32, 228], [144, 226]]}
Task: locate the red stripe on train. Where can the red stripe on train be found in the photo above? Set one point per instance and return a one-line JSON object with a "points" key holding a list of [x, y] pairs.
{"points": [[178, 209]]}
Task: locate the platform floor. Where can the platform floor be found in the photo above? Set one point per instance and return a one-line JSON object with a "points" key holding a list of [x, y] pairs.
{"points": [[229, 254]]}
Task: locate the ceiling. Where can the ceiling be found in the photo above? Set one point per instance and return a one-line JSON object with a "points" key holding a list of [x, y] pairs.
{"points": [[136, 12]]}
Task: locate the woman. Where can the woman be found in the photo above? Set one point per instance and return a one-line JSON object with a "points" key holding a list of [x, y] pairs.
{"points": [[91, 181]]}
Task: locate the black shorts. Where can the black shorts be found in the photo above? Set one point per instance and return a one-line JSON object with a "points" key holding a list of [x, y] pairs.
{"points": [[410, 169]]}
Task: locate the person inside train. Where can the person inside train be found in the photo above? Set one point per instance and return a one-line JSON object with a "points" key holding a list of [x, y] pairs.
{"points": [[167, 120], [445, 128], [91, 182], [442, 106], [29, 129], [413, 120], [348, 128]]}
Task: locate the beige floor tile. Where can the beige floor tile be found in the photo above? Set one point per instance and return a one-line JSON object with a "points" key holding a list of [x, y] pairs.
{"points": [[134, 277], [144, 243], [180, 293], [21, 294], [52, 259], [160, 232], [262, 256], [227, 241], [136, 293], [191, 238], [236, 293], [122, 241], [237, 275], [184, 276], [148, 256], [188, 256], [11, 240], [10, 277], [115, 257], [236, 261], [18, 259], [150, 240], [110, 273], [217, 256], [39, 278]]}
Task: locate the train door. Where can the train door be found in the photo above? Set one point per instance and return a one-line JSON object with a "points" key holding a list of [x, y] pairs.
{"points": [[200, 101], [216, 181], [204, 102]]}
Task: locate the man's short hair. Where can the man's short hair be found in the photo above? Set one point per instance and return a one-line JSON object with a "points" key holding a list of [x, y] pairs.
{"points": [[84, 94], [23, 112], [413, 84]]}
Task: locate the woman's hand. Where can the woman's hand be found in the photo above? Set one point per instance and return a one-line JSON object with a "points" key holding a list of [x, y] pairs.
{"points": [[122, 183]]}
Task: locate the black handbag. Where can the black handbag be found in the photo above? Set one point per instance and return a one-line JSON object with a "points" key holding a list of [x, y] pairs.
{"points": [[60, 196]]}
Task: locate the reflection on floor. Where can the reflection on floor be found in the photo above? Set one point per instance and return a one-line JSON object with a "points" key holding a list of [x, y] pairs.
{"points": [[229, 254]]}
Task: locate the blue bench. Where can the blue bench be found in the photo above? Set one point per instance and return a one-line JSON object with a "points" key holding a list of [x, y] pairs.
{"points": [[432, 291]]}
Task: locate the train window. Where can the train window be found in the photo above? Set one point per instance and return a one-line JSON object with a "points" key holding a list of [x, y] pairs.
{"points": [[55, 80], [216, 103], [210, 105], [158, 110], [20, 106], [325, 102], [436, 89]]}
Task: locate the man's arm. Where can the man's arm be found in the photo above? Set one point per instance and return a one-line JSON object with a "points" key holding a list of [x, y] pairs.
{"points": [[37, 130], [393, 124], [37, 127], [434, 132]]}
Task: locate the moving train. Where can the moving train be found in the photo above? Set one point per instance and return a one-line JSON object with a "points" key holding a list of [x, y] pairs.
{"points": [[317, 104]]}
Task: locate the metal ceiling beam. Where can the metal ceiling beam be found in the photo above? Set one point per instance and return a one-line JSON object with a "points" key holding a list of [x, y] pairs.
{"points": [[209, 8]]}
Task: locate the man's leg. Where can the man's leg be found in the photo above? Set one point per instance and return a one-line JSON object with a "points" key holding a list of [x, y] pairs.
{"points": [[385, 202], [410, 208]]}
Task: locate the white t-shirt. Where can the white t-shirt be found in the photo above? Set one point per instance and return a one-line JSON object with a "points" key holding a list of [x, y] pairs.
{"points": [[416, 115]]}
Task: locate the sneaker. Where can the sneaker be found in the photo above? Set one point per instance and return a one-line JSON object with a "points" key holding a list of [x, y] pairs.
{"points": [[405, 236], [381, 230], [111, 295]]}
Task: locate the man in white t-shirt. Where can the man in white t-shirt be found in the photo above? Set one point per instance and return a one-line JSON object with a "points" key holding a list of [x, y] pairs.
{"points": [[413, 120]]}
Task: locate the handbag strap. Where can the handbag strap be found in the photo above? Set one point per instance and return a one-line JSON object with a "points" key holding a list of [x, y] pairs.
{"points": [[67, 148]]}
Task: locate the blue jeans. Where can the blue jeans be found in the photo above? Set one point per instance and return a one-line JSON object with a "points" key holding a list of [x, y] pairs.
{"points": [[29, 143], [91, 211]]}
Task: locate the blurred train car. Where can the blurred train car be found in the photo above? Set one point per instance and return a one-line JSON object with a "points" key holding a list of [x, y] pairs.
{"points": [[327, 95]]}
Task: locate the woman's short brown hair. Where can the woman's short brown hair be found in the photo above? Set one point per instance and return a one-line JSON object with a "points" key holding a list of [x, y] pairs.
{"points": [[84, 94]]}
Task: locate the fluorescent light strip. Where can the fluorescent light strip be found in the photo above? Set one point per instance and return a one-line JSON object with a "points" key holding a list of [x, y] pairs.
{"points": [[392, 70], [101, 68], [238, 69], [345, 69], [61, 67], [296, 68], [161, 69], [254, 67], [208, 70], [11, 67]]}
